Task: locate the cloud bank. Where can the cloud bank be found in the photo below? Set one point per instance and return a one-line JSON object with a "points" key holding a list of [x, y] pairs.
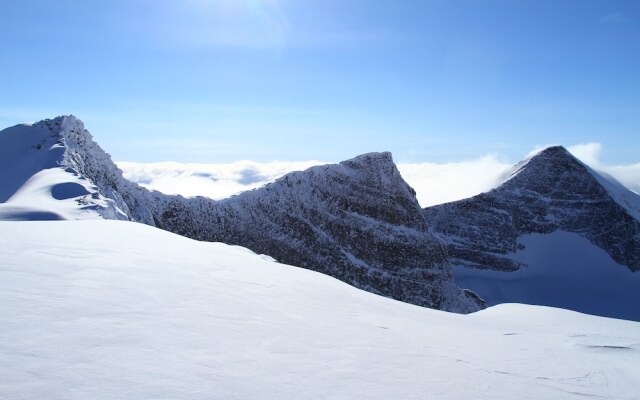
{"points": [[217, 181], [441, 183], [435, 183]]}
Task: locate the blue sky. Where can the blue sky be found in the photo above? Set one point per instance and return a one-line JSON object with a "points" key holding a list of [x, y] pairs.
{"points": [[218, 81]]}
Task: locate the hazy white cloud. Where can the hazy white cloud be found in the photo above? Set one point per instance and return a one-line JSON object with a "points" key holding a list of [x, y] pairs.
{"points": [[440, 183], [435, 183], [216, 181], [589, 153]]}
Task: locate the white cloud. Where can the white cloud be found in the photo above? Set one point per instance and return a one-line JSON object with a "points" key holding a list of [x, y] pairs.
{"points": [[216, 181], [440, 183], [589, 153], [435, 183]]}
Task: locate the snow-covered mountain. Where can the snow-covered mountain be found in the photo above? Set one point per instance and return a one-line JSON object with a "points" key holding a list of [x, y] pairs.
{"points": [[116, 310], [555, 232], [39, 176], [357, 221]]}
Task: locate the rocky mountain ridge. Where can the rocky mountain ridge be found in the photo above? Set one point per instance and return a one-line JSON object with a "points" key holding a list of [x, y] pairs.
{"points": [[360, 222], [357, 221], [550, 191]]}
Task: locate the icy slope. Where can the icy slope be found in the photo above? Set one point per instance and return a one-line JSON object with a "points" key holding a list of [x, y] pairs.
{"points": [[128, 311], [554, 195], [357, 221]]}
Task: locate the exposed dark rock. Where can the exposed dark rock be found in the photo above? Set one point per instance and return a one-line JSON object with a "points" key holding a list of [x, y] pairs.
{"points": [[550, 191]]}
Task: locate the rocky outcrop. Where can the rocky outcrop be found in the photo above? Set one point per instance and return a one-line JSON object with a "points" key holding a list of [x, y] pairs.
{"points": [[550, 191], [357, 221]]}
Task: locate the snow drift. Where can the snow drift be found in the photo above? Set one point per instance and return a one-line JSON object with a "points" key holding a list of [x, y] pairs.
{"points": [[112, 310]]}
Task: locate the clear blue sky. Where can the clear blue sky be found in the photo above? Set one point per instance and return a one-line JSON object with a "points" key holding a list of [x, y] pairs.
{"points": [[217, 81]]}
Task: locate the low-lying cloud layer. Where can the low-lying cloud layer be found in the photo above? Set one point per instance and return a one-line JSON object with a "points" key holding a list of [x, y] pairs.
{"points": [[434, 183], [217, 181]]}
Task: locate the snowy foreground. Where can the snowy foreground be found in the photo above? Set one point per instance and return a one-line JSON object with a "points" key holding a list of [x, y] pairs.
{"points": [[116, 310]]}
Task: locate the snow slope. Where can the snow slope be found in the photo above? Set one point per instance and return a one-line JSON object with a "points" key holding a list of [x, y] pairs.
{"points": [[36, 183], [113, 310]]}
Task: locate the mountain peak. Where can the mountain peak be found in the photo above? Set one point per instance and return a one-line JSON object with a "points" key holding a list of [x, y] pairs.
{"points": [[376, 161], [554, 150], [70, 121], [549, 213], [47, 163], [61, 124], [66, 119], [372, 158], [550, 190], [555, 173], [551, 167]]}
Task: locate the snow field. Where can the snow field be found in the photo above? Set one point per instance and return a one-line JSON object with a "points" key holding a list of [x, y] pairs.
{"points": [[118, 310]]}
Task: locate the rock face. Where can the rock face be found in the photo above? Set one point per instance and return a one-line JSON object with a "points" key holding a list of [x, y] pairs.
{"points": [[551, 191], [357, 221]]}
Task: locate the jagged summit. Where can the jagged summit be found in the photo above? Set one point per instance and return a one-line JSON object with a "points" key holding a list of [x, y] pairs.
{"points": [[549, 169], [39, 178], [551, 190], [549, 198], [62, 123], [556, 173], [539, 158], [60, 127], [367, 186], [357, 221], [374, 159]]}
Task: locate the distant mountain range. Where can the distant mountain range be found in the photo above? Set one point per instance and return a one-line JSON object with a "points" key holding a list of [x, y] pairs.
{"points": [[360, 222]]}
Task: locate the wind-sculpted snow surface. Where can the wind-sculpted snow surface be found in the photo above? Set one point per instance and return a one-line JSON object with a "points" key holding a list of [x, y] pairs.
{"points": [[551, 194], [114, 310], [357, 221]]}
